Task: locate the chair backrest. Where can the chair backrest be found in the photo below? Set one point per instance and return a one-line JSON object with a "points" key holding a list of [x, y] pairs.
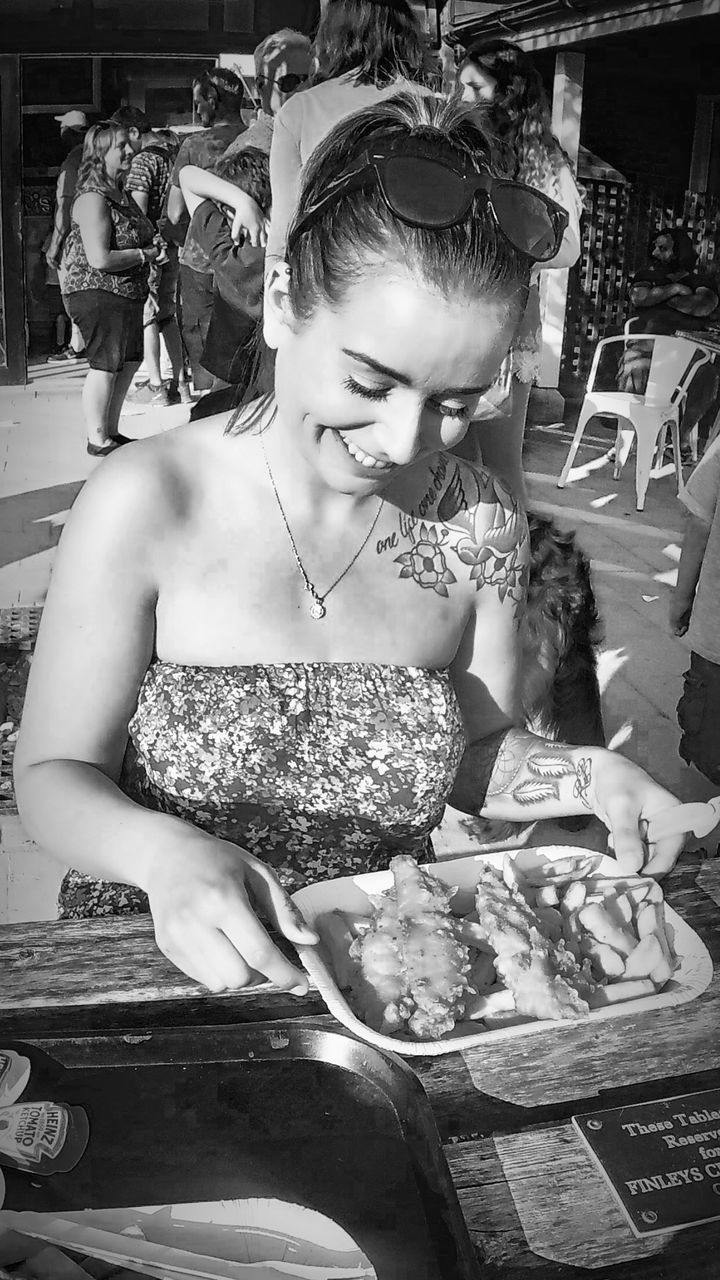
{"points": [[671, 363]]}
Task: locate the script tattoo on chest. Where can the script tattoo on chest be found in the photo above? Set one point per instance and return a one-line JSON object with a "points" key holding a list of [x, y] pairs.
{"points": [[451, 520]]}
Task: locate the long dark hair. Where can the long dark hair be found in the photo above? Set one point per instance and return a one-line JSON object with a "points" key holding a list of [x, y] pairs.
{"points": [[379, 40], [358, 234], [519, 114]]}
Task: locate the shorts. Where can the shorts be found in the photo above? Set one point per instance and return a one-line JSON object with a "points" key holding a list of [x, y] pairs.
{"points": [[698, 713], [111, 327], [161, 302]]}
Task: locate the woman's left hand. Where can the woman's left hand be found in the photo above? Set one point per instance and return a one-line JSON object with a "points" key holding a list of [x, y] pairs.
{"points": [[625, 798]]}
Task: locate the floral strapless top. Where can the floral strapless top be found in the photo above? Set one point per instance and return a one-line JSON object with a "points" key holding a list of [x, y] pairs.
{"points": [[319, 769]]}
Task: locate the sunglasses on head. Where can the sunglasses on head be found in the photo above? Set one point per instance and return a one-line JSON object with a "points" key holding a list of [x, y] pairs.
{"points": [[426, 191], [286, 84]]}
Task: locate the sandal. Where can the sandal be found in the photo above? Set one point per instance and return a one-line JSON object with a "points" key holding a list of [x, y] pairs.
{"points": [[102, 450]]}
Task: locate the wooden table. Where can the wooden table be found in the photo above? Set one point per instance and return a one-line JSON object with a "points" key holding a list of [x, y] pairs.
{"points": [[533, 1200]]}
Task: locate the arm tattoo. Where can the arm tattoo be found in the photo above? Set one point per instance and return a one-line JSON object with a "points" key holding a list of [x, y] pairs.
{"points": [[452, 518], [521, 767], [496, 556]]}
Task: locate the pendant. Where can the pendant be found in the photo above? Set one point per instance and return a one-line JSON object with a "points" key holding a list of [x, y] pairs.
{"points": [[317, 609]]}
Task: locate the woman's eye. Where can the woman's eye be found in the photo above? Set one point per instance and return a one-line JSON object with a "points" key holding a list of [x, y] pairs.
{"points": [[453, 410], [369, 393]]}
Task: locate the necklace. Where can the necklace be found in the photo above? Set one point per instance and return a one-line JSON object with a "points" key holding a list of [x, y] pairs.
{"points": [[317, 608]]}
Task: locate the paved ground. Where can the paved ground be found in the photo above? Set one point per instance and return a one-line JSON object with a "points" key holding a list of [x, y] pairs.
{"points": [[43, 464]]}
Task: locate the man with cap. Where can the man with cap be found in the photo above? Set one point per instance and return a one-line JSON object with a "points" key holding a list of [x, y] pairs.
{"points": [[73, 127]]}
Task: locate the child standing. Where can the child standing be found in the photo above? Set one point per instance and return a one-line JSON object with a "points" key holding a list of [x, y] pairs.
{"points": [[695, 609]]}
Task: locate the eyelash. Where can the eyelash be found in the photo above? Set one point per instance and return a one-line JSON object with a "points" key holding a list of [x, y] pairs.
{"points": [[381, 393]]}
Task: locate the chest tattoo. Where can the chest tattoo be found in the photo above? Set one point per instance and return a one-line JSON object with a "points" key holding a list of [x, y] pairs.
{"points": [[450, 524]]}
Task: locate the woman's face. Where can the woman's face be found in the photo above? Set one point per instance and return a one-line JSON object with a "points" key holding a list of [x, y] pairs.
{"points": [[391, 375], [476, 85], [119, 156]]}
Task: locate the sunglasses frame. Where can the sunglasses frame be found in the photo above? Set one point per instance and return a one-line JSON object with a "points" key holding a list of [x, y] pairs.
{"points": [[372, 166], [260, 80]]}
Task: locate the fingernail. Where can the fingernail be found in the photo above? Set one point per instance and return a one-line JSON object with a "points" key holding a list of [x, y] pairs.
{"points": [[300, 990]]}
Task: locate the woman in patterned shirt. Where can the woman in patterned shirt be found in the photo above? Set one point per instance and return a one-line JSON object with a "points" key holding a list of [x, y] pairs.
{"points": [[103, 277], [277, 642]]}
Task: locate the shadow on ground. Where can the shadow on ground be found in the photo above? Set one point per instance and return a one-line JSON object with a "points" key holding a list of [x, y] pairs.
{"points": [[31, 523]]}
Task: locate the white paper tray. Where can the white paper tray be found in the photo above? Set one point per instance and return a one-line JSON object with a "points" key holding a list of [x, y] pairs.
{"points": [[350, 894]]}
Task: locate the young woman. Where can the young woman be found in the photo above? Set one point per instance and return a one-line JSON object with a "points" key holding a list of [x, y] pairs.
{"points": [[501, 83], [274, 647], [364, 51], [104, 279]]}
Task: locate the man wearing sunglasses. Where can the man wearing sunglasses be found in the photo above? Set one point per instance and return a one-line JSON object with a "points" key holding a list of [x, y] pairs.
{"points": [[283, 62]]}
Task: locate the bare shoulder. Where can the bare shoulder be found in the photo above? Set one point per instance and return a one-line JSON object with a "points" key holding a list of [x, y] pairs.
{"points": [[462, 525], [152, 485]]}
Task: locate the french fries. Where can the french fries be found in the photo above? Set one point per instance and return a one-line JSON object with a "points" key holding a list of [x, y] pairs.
{"points": [[608, 936]]}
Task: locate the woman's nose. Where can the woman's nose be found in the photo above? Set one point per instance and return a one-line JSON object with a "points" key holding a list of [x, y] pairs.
{"points": [[405, 431]]}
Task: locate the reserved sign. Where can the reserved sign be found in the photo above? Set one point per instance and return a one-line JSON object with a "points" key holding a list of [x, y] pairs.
{"points": [[662, 1159]]}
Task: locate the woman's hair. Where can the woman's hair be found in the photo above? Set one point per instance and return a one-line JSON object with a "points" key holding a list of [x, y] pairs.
{"points": [[98, 141], [377, 39], [249, 170], [519, 114], [358, 232], [357, 235], [683, 250]]}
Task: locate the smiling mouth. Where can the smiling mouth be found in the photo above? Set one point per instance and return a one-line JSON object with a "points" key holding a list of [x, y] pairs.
{"points": [[359, 455]]}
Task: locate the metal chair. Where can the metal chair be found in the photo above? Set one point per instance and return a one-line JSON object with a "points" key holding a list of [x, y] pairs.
{"points": [[647, 416]]}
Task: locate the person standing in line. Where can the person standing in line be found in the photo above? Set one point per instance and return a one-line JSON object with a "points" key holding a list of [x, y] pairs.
{"points": [[218, 97], [148, 183], [73, 127], [499, 81], [365, 50], [103, 276], [283, 62]]}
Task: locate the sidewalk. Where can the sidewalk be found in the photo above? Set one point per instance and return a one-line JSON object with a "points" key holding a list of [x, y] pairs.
{"points": [[43, 465]]}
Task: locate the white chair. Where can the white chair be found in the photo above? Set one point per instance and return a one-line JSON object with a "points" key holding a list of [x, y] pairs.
{"points": [[673, 364]]}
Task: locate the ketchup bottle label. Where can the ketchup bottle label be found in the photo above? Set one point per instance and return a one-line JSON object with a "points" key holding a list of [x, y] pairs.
{"points": [[44, 1137]]}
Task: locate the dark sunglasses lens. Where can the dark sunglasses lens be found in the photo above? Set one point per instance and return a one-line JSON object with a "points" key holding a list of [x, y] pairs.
{"points": [[423, 192], [290, 82], [526, 221]]}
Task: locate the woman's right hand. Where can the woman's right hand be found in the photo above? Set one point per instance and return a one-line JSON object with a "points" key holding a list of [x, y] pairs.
{"points": [[200, 895]]}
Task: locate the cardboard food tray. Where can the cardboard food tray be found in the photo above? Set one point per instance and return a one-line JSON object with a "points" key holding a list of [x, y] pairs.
{"points": [[350, 894], [243, 1115]]}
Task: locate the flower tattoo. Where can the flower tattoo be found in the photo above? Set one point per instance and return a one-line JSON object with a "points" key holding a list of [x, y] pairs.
{"points": [[497, 556], [425, 563]]}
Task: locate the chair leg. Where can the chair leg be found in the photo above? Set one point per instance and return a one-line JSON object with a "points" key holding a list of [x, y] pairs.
{"points": [[623, 445], [659, 454], [694, 443], [677, 457], [646, 443], [585, 415]]}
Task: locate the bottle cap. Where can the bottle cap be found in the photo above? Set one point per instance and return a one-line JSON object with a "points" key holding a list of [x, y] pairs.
{"points": [[14, 1075]]}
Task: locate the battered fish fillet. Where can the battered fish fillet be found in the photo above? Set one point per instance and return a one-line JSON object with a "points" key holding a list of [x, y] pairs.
{"points": [[411, 959], [546, 981]]}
